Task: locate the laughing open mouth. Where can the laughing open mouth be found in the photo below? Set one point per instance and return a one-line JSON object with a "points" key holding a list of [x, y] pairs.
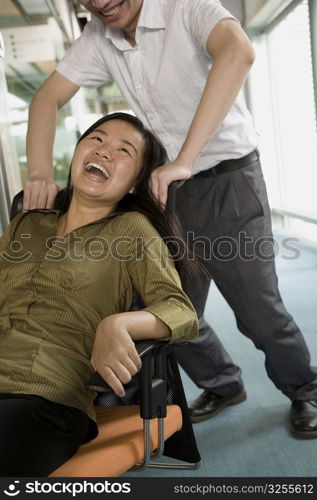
{"points": [[97, 169]]}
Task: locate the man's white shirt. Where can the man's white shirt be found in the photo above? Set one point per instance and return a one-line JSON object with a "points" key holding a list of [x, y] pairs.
{"points": [[162, 78]]}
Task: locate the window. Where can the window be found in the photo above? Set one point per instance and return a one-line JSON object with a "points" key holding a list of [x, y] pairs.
{"points": [[282, 96]]}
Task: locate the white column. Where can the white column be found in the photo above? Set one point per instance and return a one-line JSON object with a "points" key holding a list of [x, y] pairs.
{"points": [[10, 180]]}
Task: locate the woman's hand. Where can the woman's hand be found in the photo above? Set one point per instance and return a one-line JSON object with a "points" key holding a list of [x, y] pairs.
{"points": [[114, 355], [162, 177], [39, 192]]}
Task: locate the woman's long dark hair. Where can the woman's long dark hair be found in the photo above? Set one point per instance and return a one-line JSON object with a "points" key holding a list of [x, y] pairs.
{"points": [[164, 221]]}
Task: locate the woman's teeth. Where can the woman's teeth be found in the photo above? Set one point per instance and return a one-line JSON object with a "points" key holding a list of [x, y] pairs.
{"points": [[102, 169]]}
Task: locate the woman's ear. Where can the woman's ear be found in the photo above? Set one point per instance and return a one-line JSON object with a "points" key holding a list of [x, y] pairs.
{"points": [[132, 190]]}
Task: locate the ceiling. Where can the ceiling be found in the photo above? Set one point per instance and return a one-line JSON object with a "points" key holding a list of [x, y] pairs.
{"points": [[17, 13]]}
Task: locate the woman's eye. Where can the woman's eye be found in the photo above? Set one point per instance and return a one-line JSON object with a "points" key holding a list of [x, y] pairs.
{"points": [[125, 150], [97, 138]]}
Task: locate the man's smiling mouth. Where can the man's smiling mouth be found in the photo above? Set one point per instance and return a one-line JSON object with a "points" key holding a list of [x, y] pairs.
{"points": [[113, 11]]}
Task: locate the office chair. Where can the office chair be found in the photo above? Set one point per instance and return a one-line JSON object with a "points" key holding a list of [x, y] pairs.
{"points": [[128, 433]]}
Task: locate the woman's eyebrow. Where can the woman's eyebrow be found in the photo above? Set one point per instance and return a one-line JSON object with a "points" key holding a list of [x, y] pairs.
{"points": [[122, 140]]}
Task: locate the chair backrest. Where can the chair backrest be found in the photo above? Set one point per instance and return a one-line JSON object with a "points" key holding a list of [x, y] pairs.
{"points": [[17, 205], [17, 202]]}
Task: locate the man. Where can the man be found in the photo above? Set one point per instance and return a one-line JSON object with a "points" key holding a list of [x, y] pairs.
{"points": [[180, 65]]}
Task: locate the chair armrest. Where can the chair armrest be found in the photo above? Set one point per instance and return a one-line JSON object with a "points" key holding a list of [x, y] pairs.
{"points": [[152, 390], [143, 347]]}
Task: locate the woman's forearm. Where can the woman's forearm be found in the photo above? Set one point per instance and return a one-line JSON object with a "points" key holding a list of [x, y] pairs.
{"points": [[141, 325]]}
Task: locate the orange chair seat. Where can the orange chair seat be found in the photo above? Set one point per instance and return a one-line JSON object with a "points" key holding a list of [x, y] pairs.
{"points": [[119, 444]]}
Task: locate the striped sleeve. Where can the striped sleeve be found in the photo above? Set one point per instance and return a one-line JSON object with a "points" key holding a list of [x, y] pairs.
{"points": [[154, 277], [201, 16], [82, 63]]}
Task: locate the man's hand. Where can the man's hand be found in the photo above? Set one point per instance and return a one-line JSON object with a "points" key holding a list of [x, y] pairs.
{"points": [[39, 192], [114, 355], [163, 176]]}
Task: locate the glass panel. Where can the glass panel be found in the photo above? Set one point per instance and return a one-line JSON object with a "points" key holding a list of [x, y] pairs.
{"points": [[290, 60]]}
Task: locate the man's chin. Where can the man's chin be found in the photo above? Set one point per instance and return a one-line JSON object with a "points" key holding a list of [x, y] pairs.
{"points": [[116, 24]]}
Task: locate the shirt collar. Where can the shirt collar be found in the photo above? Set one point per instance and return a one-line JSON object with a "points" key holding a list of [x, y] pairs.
{"points": [[56, 213], [152, 16]]}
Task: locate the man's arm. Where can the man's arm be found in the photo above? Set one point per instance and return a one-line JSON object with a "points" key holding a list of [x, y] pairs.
{"points": [[40, 190], [233, 56]]}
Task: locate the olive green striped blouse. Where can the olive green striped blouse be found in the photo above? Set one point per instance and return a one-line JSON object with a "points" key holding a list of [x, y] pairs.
{"points": [[55, 291]]}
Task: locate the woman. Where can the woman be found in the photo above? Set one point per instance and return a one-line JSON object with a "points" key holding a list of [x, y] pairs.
{"points": [[68, 279]]}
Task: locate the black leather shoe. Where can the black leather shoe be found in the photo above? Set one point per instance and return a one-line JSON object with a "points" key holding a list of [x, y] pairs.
{"points": [[304, 419], [209, 404]]}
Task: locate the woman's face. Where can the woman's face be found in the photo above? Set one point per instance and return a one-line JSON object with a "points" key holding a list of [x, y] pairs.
{"points": [[108, 161]]}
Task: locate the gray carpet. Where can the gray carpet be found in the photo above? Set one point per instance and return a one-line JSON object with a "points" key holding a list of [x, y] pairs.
{"points": [[252, 439]]}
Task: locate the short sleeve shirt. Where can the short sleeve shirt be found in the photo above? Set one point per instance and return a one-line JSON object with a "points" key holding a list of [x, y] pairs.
{"points": [[163, 76]]}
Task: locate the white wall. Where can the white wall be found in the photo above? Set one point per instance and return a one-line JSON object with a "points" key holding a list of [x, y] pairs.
{"points": [[247, 10], [235, 7], [252, 7], [259, 12]]}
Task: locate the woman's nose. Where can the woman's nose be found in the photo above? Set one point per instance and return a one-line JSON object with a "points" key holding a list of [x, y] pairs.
{"points": [[103, 152]]}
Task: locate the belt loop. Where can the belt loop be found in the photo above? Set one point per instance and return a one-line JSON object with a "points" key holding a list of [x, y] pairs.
{"points": [[213, 171]]}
